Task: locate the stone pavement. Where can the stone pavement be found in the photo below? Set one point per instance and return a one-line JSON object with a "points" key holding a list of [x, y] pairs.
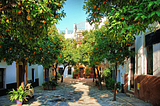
{"points": [[76, 92]]}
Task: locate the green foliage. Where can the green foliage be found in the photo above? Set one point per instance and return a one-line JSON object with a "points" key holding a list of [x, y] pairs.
{"points": [[53, 83], [109, 83], [28, 32], [58, 76], [87, 71], [20, 94], [69, 52], [44, 84], [134, 15], [106, 72], [76, 70]]}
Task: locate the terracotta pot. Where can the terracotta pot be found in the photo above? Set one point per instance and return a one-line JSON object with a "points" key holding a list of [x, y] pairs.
{"points": [[45, 88], [19, 102], [54, 87]]}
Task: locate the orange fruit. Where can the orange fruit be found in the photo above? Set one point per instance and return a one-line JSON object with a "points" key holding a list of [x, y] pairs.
{"points": [[122, 18], [94, 6], [40, 26], [44, 21], [48, 51], [24, 55], [19, 11], [98, 8], [28, 17], [40, 20], [120, 50], [28, 11]]}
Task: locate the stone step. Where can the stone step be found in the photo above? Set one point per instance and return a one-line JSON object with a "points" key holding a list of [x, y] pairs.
{"points": [[129, 94]]}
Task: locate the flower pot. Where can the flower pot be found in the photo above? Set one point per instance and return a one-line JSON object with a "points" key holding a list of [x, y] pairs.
{"points": [[98, 87], [19, 102], [88, 76], [54, 87], [45, 88]]}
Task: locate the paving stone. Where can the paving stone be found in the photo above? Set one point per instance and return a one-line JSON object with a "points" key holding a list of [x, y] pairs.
{"points": [[75, 92]]}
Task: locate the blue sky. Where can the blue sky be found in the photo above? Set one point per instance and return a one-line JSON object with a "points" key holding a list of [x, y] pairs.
{"points": [[74, 14]]}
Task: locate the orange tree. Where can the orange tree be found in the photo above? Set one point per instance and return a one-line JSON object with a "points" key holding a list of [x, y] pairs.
{"points": [[69, 54], [126, 18], [24, 24], [136, 15], [91, 53]]}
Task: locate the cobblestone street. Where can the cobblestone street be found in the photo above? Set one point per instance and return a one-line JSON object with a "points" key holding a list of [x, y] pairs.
{"points": [[76, 92]]}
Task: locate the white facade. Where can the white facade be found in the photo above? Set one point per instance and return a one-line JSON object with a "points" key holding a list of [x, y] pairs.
{"points": [[66, 75], [37, 70], [9, 74]]}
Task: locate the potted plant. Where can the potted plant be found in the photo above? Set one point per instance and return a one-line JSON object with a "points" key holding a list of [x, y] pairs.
{"points": [[44, 84], [87, 72], [53, 84], [20, 95]]}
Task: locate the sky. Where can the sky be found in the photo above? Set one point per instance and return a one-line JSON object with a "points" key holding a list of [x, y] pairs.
{"points": [[74, 14]]}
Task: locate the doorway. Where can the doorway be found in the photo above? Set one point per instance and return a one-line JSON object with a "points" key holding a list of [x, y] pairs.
{"points": [[81, 72], [32, 74], [132, 70], [1, 77], [20, 74]]}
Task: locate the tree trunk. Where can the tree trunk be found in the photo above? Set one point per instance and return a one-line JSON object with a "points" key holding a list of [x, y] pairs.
{"points": [[99, 78], [94, 77], [23, 72], [56, 72], [47, 72], [115, 84]]}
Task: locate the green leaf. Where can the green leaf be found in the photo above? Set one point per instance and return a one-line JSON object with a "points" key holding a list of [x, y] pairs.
{"points": [[152, 13], [158, 12], [143, 17]]}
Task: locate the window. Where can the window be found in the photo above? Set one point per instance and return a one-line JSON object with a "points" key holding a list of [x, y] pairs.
{"points": [[69, 70], [150, 60], [32, 74]]}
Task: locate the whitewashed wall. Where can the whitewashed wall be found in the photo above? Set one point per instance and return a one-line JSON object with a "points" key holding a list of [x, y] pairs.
{"points": [[120, 74], [156, 59], [40, 74], [35, 67], [9, 72]]}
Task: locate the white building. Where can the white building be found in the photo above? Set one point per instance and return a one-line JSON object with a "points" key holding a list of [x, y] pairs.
{"points": [[10, 76]]}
